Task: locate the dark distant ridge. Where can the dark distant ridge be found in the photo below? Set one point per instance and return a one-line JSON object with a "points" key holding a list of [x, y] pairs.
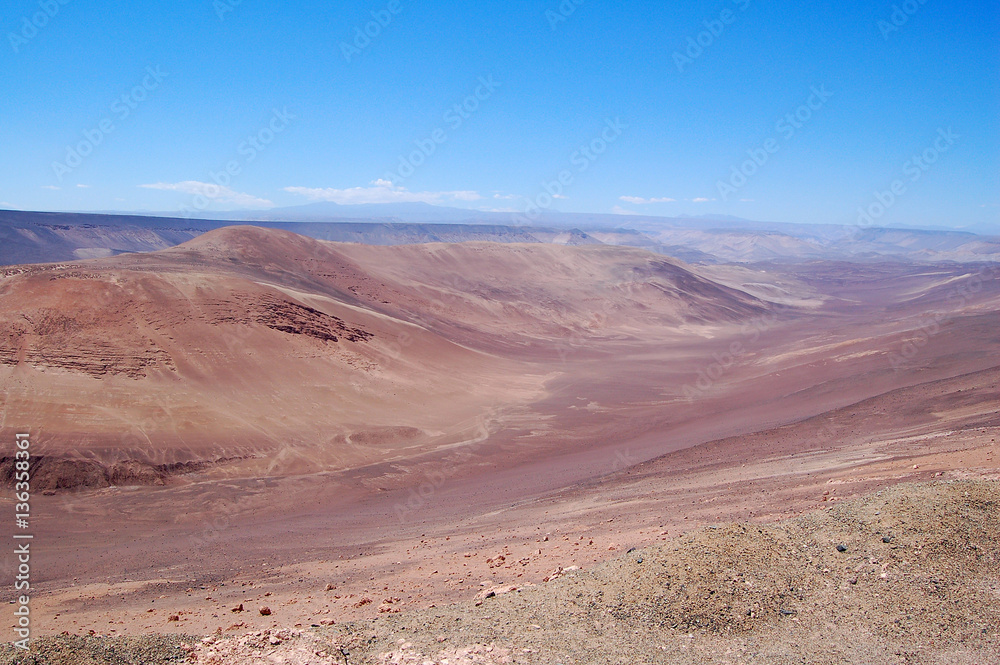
{"points": [[45, 237]]}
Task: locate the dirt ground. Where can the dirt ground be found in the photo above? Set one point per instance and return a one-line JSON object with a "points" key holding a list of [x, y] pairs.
{"points": [[502, 454], [906, 575]]}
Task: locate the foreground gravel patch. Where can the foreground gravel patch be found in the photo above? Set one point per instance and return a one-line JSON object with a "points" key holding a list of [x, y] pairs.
{"points": [[910, 575]]}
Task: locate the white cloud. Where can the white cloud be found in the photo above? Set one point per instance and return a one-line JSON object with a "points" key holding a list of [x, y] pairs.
{"points": [[747, 200], [701, 200], [618, 210], [638, 200], [83, 186], [212, 192], [52, 187], [505, 196], [380, 191]]}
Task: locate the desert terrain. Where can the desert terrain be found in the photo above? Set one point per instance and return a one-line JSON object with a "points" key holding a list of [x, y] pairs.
{"points": [[379, 443]]}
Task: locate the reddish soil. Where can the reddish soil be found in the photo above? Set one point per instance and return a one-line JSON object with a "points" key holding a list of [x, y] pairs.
{"points": [[413, 423]]}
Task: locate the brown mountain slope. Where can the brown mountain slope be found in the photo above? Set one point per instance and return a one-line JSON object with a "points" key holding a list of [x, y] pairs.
{"points": [[484, 292], [246, 339]]}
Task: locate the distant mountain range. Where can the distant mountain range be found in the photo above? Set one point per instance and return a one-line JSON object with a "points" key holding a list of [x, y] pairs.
{"points": [[428, 213], [41, 237]]}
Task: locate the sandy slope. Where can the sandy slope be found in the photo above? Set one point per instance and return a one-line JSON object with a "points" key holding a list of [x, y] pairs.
{"points": [[442, 548], [243, 339]]}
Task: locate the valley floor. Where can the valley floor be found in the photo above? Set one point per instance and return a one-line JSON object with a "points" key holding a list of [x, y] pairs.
{"points": [[427, 555]]}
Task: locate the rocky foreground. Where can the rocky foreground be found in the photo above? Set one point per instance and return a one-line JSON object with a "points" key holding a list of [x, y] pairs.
{"points": [[908, 575]]}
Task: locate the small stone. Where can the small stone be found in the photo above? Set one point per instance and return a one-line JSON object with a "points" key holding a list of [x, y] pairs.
{"points": [[238, 608], [841, 548], [886, 539], [173, 617], [265, 611]]}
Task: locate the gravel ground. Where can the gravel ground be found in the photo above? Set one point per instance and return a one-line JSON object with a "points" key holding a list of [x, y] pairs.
{"points": [[75, 650], [907, 576]]}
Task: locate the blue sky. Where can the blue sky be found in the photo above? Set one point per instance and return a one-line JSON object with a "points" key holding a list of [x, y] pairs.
{"points": [[144, 106]]}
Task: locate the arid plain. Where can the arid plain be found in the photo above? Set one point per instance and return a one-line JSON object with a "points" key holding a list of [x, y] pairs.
{"points": [[343, 431]]}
